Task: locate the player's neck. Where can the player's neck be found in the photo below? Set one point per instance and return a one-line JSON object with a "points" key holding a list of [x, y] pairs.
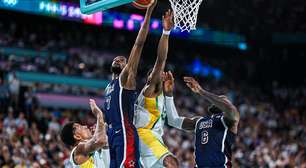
{"points": [[115, 76]]}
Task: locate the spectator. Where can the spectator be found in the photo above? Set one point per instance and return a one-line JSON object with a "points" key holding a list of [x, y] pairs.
{"points": [[54, 125], [14, 85], [9, 121], [5, 158], [21, 125], [4, 96]]}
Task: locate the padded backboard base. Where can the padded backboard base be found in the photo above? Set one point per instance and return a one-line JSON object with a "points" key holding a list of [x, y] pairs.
{"points": [[101, 5]]}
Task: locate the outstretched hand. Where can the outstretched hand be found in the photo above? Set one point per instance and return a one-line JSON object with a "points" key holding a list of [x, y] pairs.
{"points": [[168, 20], [94, 108], [168, 83], [193, 84]]}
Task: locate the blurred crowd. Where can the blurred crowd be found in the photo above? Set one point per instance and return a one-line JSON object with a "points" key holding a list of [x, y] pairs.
{"points": [[271, 131], [255, 16]]}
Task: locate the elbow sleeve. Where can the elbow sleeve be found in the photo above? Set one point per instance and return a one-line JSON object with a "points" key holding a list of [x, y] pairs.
{"points": [[174, 119]]}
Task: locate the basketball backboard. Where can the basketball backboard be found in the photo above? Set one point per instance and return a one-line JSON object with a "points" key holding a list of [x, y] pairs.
{"points": [[92, 6]]}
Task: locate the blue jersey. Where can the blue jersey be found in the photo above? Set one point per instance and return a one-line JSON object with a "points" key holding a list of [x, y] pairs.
{"points": [[119, 105], [122, 134], [213, 142]]}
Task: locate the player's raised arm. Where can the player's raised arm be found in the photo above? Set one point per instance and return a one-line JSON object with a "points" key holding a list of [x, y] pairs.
{"points": [[231, 114], [99, 139], [162, 52], [174, 119], [128, 75]]}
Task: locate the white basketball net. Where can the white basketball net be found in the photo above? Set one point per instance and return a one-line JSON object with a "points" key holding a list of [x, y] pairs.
{"points": [[185, 13]]}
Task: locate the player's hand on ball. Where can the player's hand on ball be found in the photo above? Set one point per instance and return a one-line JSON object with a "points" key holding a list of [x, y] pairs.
{"points": [[168, 83], [193, 84], [168, 20], [94, 108]]}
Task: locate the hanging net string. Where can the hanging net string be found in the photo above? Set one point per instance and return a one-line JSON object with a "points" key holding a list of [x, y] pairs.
{"points": [[185, 13]]}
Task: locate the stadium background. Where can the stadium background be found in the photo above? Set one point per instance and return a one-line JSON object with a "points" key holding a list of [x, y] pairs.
{"points": [[52, 61]]}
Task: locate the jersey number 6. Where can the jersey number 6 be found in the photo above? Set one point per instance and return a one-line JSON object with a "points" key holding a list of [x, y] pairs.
{"points": [[204, 137]]}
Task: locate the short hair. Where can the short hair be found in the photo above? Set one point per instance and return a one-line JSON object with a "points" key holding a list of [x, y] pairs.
{"points": [[67, 135], [213, 109]]}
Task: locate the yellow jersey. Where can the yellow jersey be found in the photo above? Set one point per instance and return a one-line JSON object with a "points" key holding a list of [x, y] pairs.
{"points": [[98, 159]]}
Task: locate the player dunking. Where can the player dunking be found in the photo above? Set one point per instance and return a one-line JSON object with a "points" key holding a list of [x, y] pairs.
{"points": [[120, 96], [88, 148], [215, 133], [149, 116]]}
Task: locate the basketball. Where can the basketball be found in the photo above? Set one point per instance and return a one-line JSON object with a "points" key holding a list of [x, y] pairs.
{"points": [[141, 4]]}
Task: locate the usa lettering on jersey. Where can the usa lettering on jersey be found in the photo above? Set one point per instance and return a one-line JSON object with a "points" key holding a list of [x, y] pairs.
{"points": [[110, 89], [204, 134], [206, 124], [108, 96]]}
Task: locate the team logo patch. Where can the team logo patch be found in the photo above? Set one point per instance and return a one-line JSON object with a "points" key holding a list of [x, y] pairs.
{"points": [[163, 115], [132, 163]]}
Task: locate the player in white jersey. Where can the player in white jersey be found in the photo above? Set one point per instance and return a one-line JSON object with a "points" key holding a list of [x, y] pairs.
{"points": [[89, 150], [149, 116]]}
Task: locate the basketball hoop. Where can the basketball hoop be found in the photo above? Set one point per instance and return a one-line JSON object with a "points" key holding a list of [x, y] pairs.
{"points": [[185, 13]]}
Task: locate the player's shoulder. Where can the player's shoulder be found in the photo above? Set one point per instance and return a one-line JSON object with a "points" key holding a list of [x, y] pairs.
{"points": [[204, 118], [200, 120], [217, 116], [211, 117], [78, 158]]}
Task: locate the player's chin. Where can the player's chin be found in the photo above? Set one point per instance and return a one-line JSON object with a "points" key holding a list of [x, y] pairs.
{"points": [[116, 69]]}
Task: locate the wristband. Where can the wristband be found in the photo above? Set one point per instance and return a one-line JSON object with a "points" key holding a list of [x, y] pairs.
{"points": [[166, 32]]}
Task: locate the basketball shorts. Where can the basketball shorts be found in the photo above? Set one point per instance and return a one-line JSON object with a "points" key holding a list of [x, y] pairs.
{"points": [[123, 155], [152, 148]]}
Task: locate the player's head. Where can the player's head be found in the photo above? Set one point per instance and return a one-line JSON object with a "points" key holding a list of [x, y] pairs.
{"points": [[73, 132], [118, 64], [212, 109]]}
